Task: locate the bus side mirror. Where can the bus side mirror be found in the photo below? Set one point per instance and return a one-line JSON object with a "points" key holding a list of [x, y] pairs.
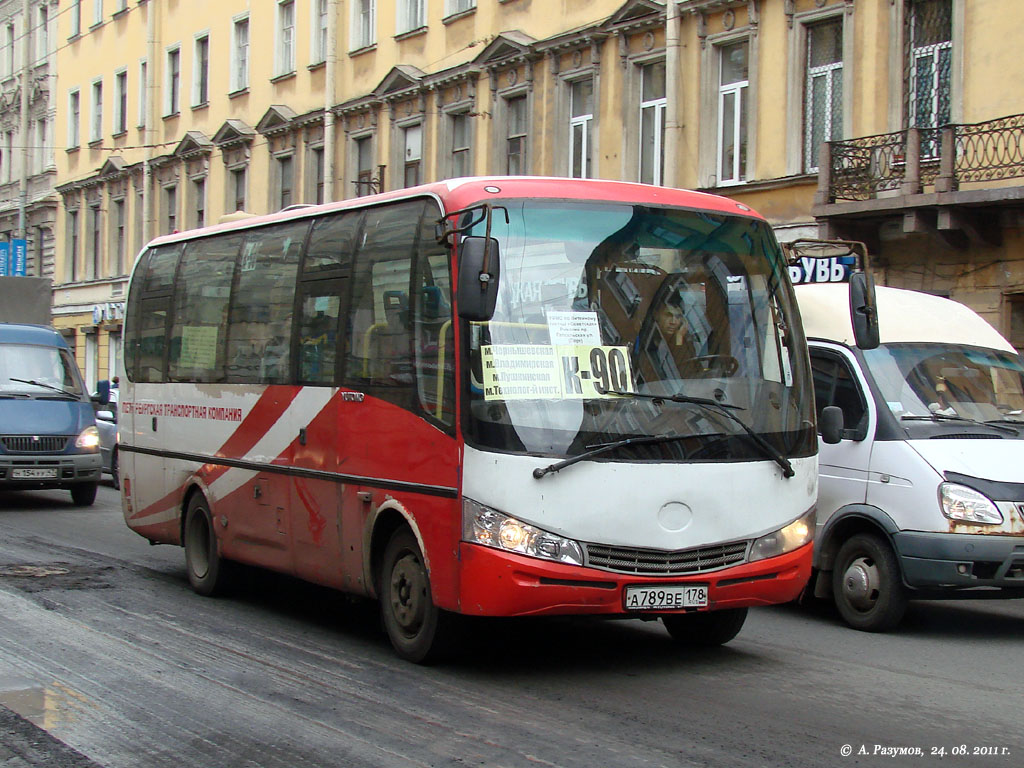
{"points": [[102, 396], [863, 310], [479, 268], [831, 424]]}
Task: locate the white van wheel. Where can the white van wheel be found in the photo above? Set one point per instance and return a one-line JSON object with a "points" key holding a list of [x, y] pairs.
{"points": [[866, 584]]}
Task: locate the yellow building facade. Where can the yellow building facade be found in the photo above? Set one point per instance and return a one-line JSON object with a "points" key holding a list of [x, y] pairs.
{"points": [[172, 113]]}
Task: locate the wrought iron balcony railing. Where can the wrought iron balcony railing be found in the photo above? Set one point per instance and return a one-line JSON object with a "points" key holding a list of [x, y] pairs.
{"points": [[907, 162]]}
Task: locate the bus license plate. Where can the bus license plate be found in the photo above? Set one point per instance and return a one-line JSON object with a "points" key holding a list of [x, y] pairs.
{"points": [[668, 597], [25, 473]]}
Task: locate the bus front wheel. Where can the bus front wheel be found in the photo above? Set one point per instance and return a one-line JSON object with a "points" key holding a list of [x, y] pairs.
{"points": [[705, 629], [419, 631], [206, 569]]}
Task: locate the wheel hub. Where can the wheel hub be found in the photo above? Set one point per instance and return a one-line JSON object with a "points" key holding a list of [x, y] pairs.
{"points": [[408, 588], [860, 584]]}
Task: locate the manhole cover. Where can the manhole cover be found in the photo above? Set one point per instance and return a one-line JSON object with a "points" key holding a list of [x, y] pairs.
{"points": [[32, 571]]}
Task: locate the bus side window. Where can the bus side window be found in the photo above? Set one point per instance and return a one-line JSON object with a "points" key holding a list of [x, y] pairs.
{"points": [[262, 305], [433, 327], [835, 384], [379, 343], [147, 331]]}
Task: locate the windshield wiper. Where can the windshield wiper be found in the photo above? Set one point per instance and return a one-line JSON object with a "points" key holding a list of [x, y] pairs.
{"points": [[539, 472], [721, 408], [947, 417], [50, 387], [726, 410]]}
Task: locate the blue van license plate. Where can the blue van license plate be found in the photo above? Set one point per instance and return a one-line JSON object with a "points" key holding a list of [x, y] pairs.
{"points": [[32, 473]]}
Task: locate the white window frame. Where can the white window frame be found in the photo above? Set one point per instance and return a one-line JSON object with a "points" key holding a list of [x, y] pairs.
{"points": [[97, 12], [658, 107], [278, 203], [452, 7], [240, 54], [284, 40], [120, 101], [76, 18], [738, 93], [586, 123], [172, 89], [42, 32], [198, 97], [411, 15], [830, 72], [460, 151], [320, 10], [364, 24], [412, 152], [143, 87], [96, 110], [74, 117]]}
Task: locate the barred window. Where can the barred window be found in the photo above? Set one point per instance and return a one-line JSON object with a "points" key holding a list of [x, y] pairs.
{"points": [[928, 75], [823, 92]]}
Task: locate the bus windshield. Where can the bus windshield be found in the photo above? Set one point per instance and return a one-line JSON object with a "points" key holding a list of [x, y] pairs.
{"points": [[945, 380], [598, 301]]}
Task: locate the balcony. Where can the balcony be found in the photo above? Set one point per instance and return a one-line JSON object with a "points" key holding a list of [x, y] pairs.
{"points": [[949, 181]]}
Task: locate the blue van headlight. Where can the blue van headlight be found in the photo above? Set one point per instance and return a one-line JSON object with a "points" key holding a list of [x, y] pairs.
{"points": [[88, 439]]}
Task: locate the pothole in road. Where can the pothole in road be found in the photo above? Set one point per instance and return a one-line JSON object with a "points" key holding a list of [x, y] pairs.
{"points": [[33, 577], [32, 571]]}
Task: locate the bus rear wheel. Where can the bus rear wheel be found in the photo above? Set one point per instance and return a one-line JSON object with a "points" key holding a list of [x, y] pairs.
{"points": [[207, 572], [706, 629], [419, 631]]}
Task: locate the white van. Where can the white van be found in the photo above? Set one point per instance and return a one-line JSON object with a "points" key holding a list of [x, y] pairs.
{"points": [[921, 489]]}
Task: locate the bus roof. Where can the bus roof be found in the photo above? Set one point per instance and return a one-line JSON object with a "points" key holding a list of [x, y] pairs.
{"points": [[903, 316], [455, 194]]}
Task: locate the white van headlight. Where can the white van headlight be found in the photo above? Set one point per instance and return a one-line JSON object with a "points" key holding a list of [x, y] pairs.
{"points": [[89, 439], [966, 505], [491, 528], [786, 539]]}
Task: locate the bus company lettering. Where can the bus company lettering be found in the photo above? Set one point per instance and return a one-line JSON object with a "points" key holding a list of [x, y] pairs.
{"points": [[184, 411]]}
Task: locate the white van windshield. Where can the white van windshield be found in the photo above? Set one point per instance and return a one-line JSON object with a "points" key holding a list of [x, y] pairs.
{"points": [[949, 380]]}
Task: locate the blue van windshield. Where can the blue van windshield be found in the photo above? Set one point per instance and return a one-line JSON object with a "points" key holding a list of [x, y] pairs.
{"points": [[37, 371]]}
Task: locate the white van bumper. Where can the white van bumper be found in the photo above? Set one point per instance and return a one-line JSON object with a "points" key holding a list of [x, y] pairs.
{"points": [[955, 561]]}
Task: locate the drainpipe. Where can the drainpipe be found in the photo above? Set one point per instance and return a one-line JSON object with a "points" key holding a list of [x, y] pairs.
{"points": [[329, 77], [671, 94], [148, 207], [26, 81]]}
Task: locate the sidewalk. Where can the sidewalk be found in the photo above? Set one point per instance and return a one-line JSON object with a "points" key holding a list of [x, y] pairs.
{"points": [[24, 745]]}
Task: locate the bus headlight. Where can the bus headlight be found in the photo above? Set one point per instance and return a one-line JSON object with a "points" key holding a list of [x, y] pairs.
{"points": [[966, 505], [792, 536], [89, 439], [486, 526]]}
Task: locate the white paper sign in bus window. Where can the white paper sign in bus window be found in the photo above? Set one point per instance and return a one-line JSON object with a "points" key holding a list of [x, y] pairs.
{"points": [[574, 328], [554, 372]]}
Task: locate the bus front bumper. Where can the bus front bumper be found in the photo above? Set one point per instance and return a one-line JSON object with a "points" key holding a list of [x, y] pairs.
{"points": [[496, 583]]}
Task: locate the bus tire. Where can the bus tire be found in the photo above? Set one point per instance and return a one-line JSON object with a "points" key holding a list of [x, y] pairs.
{"points": [[114, 471], [866, 584], [207, 571], [83, 494], [419, 631], [705, 629]]}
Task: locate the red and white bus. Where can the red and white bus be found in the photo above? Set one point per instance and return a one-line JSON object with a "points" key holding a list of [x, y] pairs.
{"points": [[490, 397]]}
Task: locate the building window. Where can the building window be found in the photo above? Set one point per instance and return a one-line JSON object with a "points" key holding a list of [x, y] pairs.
{"points": [[74, 117], [8, 171], [412, 14], [319, 35], [823, 92], [412, 138], [9, 38], [732, 113], [516, 120], [460, 144], [76, 17], [364, 24], [170, 210], [120, 102], [285, 181], [117, 237], [71, 256], [240, 57], [42, 31], [201, 72], [142, 94], [96, 125], [316, 174], [198, 203], [652, 123], [581, 120], [42, 153], [929, 69], [173, 81], [94, 263], [451, 7], [285, 37], [97, 12], [238, 189], [364, 166]]}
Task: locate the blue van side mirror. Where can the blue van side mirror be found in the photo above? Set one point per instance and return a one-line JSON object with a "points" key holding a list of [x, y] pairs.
{"points": [[102, 396]]}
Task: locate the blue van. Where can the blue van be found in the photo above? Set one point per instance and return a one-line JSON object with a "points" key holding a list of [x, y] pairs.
{"points": [[48, 436]]}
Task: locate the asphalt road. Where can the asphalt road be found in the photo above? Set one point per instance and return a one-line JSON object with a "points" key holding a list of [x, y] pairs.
{"points": [[103, 644]]}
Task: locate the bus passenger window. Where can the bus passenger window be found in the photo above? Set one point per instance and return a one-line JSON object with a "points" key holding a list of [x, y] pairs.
{"points": [[318, 335]]}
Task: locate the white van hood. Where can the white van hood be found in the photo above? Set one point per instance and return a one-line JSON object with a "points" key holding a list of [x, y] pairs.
{"points": [[999, 460]]}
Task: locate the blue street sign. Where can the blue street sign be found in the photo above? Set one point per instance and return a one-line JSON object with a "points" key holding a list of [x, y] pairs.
{"points": [[5, 259], [19, 261]]}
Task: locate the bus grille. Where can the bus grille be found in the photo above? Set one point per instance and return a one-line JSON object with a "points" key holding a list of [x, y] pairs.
{"points": [[658, 562], [30, 444]]}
